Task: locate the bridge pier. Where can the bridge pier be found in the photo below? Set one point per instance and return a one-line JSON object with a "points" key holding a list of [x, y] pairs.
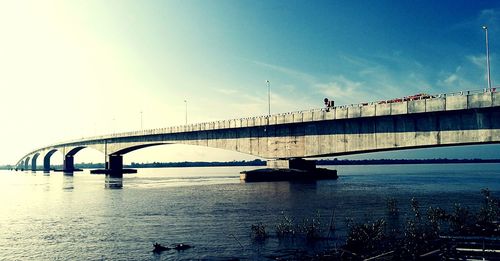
{"points": [[33, 162], [295, 163], [26, 163], [114, 167], [46, 161], [46, 164], [68, 164], [289, 169]]}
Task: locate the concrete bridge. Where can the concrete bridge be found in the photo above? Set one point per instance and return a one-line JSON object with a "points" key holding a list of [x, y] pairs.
{"points": [[464, 118]]}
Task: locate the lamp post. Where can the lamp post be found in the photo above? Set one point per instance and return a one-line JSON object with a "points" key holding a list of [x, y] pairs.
{"points": [[269, 97], [186, 104], [485, 28], [141, 120]]}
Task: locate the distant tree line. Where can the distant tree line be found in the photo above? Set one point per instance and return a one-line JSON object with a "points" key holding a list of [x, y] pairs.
{"points": [[336, 161], [255, 162]]}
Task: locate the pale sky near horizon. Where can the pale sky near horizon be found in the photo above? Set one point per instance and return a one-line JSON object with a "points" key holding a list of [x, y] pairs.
{"points": [[70, 69]]}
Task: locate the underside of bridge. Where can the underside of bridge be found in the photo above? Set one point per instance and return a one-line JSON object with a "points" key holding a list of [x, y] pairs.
{"points": [[113, 163], [459, 119]]}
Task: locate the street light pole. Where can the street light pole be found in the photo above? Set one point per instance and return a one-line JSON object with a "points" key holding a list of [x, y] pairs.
{"points": [[485, 28], [141, 120], [186, 104], [269, 97]]}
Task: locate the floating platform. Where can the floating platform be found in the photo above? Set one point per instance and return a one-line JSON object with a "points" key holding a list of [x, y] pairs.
{"points": [[62, 170], [113, 172], [277, 174]]}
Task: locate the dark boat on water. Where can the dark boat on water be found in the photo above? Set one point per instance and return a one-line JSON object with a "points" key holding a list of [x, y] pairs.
{"points": [[158, 248], [182, 246]]}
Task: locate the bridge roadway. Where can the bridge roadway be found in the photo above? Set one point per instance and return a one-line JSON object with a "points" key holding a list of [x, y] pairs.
{"points": [[464, 118]]}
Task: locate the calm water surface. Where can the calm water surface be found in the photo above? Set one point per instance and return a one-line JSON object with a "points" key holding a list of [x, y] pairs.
{"points": [[58, 217]]}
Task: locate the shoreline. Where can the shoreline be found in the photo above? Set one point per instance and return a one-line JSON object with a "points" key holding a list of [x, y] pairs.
{"points": [[257, 163]]}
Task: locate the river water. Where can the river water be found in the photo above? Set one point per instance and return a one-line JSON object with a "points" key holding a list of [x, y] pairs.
{"points": [[60, 217]]}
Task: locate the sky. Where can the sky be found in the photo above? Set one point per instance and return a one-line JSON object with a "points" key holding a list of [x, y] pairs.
{"points": [[71, 69]]}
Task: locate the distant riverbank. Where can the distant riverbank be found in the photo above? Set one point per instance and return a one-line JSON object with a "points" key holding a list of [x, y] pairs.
{"points": [[258, 162]]}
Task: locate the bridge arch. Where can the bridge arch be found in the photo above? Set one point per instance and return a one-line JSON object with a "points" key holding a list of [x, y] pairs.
{"points": [[128, 149], [33, 161], [73, 151], [70, 153], [20, 164], [26, 163], [46, 160]]}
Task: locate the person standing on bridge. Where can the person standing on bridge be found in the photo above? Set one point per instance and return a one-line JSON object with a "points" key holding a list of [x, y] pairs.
{"points": [[329, 104]]}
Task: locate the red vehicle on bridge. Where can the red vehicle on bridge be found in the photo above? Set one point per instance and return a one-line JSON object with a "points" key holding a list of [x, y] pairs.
{"points": [[418, 96]]}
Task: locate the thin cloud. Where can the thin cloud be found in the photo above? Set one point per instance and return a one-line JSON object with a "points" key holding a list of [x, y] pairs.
{"points": [[489, 16], [484, 17], [288, 71], [341, 88], [226, 91], [403, 76], [369, 80], [456, 80], [478, 60], [337, 86], [453, 78], [357, 61]]}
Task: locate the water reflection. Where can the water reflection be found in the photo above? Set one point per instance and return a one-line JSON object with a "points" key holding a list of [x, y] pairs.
{"points": [[205, 205], [301, 184], [68, 182], [112, 182]]}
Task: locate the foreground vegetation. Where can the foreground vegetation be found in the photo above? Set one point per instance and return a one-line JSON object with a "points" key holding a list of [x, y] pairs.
{"points": [[431, 234]]}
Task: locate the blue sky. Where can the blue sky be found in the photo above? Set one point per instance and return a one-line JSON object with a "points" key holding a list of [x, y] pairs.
{"points": [[91, 67]]}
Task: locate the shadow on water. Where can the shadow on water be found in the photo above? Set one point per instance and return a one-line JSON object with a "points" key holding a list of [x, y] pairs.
{"points": [[111, 182]]}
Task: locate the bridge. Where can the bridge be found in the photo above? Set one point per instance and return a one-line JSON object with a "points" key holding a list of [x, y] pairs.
{"points": [[462, 118]]}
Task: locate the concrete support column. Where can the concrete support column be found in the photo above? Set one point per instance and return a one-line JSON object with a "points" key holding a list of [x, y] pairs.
{"points": [[115, 165], [114, 168], [46, 161], [21, 166], [296, 163], [46, 164], [33, 162], [69, 165], [26, 164]]}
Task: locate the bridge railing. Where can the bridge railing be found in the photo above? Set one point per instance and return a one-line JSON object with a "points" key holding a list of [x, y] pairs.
{"points": [[375, 108]]}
